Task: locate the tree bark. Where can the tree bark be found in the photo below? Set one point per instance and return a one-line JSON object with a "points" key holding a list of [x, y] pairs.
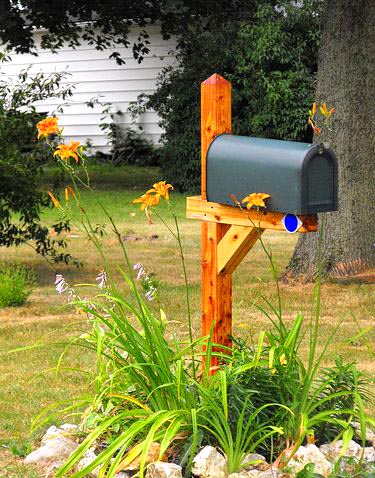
{"points": [[346, 80]]}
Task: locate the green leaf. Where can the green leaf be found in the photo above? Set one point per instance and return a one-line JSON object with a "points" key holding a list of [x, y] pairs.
{"points": [[307, 472]]}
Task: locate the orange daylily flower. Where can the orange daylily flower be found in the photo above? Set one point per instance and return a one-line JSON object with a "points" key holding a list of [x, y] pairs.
{"points": [[47, 126], [324, 110], [148, 200], [313, 109], [255, 199], [314, 126], [69, 190], [66, 151], [161, 188], [54, 200]]}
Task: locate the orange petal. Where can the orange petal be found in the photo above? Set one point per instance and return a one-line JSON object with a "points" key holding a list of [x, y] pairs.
{"points": [[54, 200], [71, 192]]}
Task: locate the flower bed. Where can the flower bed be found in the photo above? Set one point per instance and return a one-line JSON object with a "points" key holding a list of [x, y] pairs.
{"points": [[158, 396]]}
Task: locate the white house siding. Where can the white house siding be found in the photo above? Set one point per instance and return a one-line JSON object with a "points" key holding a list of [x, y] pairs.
{"points": [[93, 74]]}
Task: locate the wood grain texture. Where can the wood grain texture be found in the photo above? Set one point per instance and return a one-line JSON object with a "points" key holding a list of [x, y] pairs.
{"points": [[216, 289], [216, 116], [234, 246], [197, 208]]}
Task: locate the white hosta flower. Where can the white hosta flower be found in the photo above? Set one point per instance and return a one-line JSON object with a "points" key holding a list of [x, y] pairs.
{"points": [[102, 280], [141, 270], [60, 284], [147, 283], [150, 294], [71, 295]]}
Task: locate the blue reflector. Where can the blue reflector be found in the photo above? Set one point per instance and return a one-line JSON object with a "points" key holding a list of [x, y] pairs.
{"points": [[291, 223]]}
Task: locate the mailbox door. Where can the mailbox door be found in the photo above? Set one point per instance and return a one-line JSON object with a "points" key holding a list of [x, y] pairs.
{"points": [[320, 182]]}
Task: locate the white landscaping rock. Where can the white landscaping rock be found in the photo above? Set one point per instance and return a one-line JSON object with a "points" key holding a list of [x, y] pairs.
{"points": [[161, 469], [50, 471], [67, 430], [52, 432], [270, 473], [369, 455], [370, 434], [310, 454], [209, 463], [332, 450], [258, 461], [86, 460], [69, 427], [55, 449], [240, 474]]}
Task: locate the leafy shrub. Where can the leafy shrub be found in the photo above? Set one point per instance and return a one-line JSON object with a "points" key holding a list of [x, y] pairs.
{"points": [[269, 55], [16, 285], [340, 378], [128, 145], [275, 61], [21, 164]]}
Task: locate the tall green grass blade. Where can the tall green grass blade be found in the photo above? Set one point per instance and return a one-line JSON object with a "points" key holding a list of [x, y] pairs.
{"points": [[108, 452], [224, 396]]}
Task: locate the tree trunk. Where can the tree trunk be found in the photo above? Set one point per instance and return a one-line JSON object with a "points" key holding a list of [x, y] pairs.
{"points": [[346, 80]]}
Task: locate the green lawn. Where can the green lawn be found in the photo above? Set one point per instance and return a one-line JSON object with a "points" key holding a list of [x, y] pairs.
{"points": [[27, 379]]}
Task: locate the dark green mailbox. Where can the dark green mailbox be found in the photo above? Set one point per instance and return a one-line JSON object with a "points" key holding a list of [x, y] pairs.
{"points": [[301, 178]]}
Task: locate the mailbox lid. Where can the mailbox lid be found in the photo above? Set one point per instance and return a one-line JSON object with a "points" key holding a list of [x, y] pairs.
{"points": [[241, 165]]}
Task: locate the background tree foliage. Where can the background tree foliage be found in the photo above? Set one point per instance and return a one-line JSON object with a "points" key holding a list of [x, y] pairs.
{"points": [[21, 165], [270, 57], [104, 23]]}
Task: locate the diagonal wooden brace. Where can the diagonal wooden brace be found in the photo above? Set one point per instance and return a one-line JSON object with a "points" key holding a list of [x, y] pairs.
{"points": [[234, 246]]}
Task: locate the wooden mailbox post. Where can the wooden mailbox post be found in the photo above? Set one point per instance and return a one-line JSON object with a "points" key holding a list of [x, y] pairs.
{"points": [[227, 233]]}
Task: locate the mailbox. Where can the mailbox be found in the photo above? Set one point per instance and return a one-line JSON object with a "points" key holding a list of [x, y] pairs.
{"points": [[301, 178]]}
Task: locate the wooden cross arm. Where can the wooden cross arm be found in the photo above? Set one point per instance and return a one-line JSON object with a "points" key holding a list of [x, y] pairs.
{"points": [[198, 208], [234, 246]]}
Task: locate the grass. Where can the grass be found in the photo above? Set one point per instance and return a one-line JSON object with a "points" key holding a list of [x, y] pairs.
{"points": [[16, 285], [27, 379]]}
